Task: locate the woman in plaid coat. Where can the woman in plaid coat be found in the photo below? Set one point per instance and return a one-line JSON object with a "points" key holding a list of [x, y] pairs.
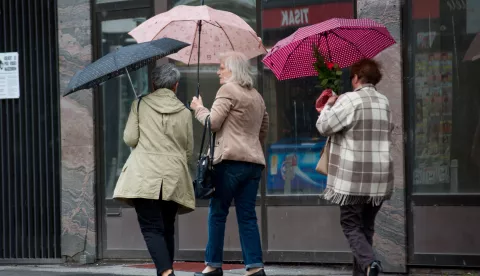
{"points": [[360, 172]]}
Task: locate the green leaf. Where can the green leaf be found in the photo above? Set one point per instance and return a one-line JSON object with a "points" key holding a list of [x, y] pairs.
{"points": [[324, 82], [339, 73], [337, 82]]}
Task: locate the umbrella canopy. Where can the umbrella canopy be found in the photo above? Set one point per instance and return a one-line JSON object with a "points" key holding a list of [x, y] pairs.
{"points": [[473, 52], [221, 31], [341, 41], [124, 60]]}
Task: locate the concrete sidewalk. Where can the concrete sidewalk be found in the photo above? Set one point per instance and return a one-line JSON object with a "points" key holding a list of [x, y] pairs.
{"points": [[113, 270], [140, 270]]}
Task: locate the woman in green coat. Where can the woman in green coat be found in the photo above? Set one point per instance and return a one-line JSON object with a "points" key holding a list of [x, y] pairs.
{"points": [[156, 178]]}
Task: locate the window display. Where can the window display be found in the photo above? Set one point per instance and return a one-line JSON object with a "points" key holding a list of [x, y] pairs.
{"points": [[445, 100]]}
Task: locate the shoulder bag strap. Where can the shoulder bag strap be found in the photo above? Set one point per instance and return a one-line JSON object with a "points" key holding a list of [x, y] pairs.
{"points": [[212, 141], [207, 122], [138, 107]]}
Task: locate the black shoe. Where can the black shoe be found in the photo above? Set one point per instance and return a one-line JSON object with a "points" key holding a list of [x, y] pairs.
{"points": [[216, 272], [259, 273], [374, 269]]}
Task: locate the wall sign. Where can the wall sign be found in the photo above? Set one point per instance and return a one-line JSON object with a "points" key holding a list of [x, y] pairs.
{"points": [[278, 18], [9, 76]]}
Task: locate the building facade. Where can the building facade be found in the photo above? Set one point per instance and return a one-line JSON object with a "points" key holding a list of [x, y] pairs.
{"points": [[429, 77]]}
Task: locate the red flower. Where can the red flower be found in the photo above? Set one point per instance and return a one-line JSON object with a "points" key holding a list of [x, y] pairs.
{"points": [[330, 65]]}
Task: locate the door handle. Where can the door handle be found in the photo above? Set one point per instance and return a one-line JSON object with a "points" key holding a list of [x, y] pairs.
{"points": [[114, 212]]}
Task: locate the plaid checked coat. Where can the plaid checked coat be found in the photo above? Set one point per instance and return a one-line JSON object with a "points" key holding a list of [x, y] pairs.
{"points": [[359, 125]]}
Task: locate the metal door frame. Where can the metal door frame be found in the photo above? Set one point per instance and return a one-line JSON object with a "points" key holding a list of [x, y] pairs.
{"points": [[102, 12], [418, 259]]}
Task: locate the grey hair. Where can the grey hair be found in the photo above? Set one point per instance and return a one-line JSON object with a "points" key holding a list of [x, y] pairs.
{"points": [[165, 76], [238, 64]]}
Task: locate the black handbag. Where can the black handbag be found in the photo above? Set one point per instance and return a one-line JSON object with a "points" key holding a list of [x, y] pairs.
{"points": [[203, 184]]}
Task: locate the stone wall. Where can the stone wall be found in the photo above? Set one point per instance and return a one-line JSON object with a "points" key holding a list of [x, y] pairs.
{"points": [[390, 239], [77, 133]]}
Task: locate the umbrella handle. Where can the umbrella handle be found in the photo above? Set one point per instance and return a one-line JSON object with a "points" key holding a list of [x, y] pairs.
{"points": [[198, 56]]}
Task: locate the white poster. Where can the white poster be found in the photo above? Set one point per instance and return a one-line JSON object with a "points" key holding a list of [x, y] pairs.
{"points": [[9, 76]]}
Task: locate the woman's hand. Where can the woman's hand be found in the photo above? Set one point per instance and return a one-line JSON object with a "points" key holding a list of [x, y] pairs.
{"points": [[196, 103], [331, 101]]}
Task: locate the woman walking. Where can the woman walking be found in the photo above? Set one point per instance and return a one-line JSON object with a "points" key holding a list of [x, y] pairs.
{"points": [[155, 178], [360, 172], [239, 118]]}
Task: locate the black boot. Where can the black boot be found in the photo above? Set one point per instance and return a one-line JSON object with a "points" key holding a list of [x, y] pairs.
{"points": [[374, 269], [216, 272], [259, 273]]}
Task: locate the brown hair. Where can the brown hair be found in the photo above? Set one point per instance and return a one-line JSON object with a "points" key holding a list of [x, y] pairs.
{"points": [[367, 70]]}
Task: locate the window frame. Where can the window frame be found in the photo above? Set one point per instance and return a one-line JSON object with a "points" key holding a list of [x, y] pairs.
{"points": [[423, 199]]}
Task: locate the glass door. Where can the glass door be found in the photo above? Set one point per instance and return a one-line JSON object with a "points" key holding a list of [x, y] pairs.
{"points": [[119, 235]]}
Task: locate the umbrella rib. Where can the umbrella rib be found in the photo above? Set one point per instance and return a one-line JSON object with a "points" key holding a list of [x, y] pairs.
{"points": [[296, 47], [208, 22], [153, 38], [371, 29], [231, 44], [328, 46], [348, 41], [198, 45], [256, 37]]}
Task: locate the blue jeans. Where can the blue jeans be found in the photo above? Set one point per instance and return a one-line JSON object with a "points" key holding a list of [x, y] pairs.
{"points": [[239, 181]]}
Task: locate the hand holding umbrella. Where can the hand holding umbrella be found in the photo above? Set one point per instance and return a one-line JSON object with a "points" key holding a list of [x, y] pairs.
{"points": [[196, 103]]}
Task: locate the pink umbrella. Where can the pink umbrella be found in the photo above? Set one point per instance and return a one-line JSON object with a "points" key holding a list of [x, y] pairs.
{"points": [[342, 41], [208, 31], [221, 31]]}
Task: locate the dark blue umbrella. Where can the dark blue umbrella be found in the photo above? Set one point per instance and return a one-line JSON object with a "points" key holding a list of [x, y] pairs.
{"points": [[124, 60]]}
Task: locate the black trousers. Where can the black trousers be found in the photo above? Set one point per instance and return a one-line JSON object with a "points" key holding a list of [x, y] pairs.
{"points": [[157, 223], [358, 222]]}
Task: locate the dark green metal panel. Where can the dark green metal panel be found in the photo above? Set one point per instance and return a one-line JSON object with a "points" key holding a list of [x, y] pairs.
{"points": [[30, 134]]}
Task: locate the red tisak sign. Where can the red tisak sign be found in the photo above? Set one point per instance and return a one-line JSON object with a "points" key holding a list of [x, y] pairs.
{"points": [[305, 15]]}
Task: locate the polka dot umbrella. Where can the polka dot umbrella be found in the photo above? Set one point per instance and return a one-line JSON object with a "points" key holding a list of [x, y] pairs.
{"points": [[123, 61], [342, 41]]}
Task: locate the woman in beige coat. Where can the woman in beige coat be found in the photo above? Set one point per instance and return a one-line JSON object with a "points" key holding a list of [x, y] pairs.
{"points": [[240, 120], [155, 178]]}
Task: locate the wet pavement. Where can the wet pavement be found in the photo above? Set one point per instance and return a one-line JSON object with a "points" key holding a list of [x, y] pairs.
{"points": [[114, 270]]}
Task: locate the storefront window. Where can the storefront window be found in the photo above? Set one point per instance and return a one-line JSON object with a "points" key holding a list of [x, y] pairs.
{"points": [[445, 99], [294, 145]]}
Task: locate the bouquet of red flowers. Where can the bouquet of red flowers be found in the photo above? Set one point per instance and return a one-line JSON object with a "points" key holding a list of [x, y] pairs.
{"points": [[329, 76], [329, 73]]}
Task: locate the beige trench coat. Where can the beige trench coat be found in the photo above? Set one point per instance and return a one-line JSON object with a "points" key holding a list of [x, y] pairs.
{"points": [[240, 119], [162, 138]]}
